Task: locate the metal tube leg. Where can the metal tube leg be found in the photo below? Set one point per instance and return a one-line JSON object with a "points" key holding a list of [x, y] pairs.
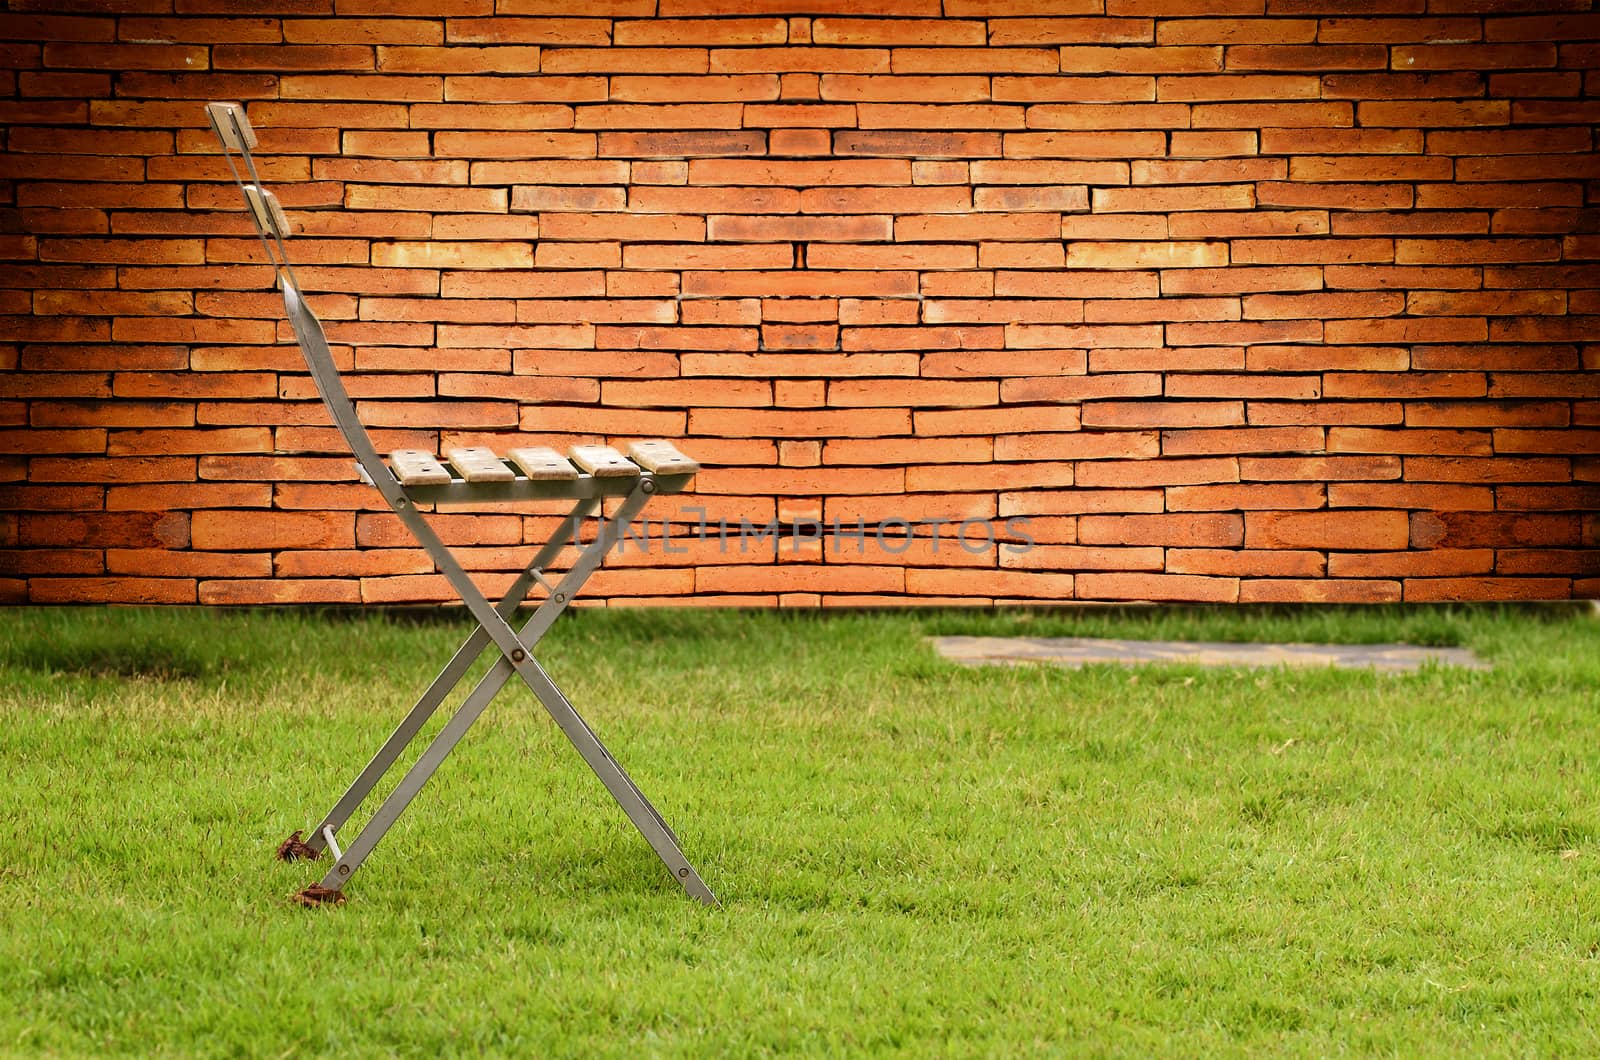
{"points": [[448, 678], [617, 782], [513, 647], [478, 699], [418, 775], [644, 816]]}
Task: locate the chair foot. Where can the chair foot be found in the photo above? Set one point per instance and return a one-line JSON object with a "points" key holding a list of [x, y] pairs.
{"points": [[294, 849], [317, 895]]}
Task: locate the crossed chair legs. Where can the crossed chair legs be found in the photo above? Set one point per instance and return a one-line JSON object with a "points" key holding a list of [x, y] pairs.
{"points": [[516, 657]]}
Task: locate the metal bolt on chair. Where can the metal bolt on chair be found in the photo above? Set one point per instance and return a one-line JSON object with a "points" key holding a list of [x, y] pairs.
{"points": [[411, 478]]}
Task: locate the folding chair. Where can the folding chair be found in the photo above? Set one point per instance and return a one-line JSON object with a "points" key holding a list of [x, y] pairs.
{"points": [[412, 478]]}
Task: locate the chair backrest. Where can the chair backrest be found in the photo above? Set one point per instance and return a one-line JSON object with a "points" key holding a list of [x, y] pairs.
{"points": [[233, 131]]}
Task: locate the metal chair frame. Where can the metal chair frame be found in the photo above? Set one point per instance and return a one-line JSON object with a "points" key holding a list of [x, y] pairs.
{"points": [[656, 468]]}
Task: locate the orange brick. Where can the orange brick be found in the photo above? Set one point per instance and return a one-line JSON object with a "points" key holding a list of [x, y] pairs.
{"points": [[860, 31], [1474, 56], [1428, 442], [104, 530], [1345, 531], [120, 590], [1411, 114], [1084, 144], [1252, 496], [1089, 255], [1336, 196], [1439, 589], [917, 143], [674, 32], [1242, 440], [1013, 31], [1119, 586], [1258, 563], [1431, 563], [800, 337], [515, 145], [1165, 200], [465, 88], [1409, 495], [1028, 89], [1319, 590], [1179, 530], [1137, 60], [1145, 414], [801, 142], [955, 583], [799, 59]]}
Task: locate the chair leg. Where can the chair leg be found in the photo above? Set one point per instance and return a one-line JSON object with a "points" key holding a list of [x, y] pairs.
{"points": [[441, 687], [351, 858], [644, 816]]}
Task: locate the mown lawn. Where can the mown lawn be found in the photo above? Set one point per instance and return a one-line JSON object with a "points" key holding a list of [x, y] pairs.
{"points": [[913, 858]]}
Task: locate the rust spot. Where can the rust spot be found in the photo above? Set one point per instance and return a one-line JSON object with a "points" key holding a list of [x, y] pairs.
{"points": [[294, 849], [317, 895]]}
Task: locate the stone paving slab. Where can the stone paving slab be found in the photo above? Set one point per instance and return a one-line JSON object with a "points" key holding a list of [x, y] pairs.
{"points": [[1079, 651]]}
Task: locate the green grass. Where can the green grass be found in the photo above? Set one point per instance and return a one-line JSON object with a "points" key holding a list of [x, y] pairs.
{"points": [[913, 858]]}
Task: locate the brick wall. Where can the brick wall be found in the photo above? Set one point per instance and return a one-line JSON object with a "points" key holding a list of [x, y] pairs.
{"points": [[1232, 300]]}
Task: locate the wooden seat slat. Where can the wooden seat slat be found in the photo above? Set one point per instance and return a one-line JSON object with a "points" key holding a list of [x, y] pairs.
{"points": [[662, 458], [413, 467], [602, 461], [480, 464], [542, 464]]}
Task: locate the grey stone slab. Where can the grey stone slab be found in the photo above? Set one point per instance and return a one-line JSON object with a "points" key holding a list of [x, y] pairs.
{"points": [[1079, 651]]}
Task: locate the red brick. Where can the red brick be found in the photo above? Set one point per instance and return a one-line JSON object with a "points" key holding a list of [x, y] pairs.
{"points": [[1412, 384], [1327, 530], [1157, 587], [1303, 412], [1410, 114], [800, 337], [104, 530], [1496, 469], [1426, 442], [1177, 530], [491, 89], [1536, 561], [1084, 144], [1410, 495], [1012, 31], [1239, 279], [1212, 144], [1272, 563], [799, 59], [1439, 589], [975, 60], [1474, 56], [691, 31], [1119, 445], [1252, 496], [1430, 563], [120, 590], [712, 257], [798, 142], [1331, 468], [799, 115], [1318, 590], [1241, 440], [1027, 584], [1144, 414]]}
